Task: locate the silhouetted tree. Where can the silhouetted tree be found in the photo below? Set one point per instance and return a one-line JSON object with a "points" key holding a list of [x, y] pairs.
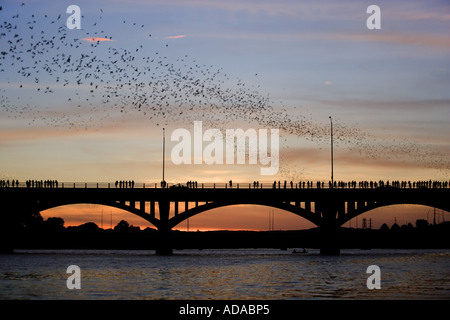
{"points": [[421, 224], [122, 226], [88, 227], [54, 223], [33, 221]]}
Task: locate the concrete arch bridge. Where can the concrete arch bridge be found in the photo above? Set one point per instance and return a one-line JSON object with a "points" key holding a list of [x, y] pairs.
{"points": [[165, 208]]}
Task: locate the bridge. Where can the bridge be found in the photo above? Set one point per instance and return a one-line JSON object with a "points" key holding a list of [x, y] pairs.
{"points": [[165, 208]]}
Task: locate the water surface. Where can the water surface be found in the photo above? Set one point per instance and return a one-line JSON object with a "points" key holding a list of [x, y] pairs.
{"points": [[225, 274]]}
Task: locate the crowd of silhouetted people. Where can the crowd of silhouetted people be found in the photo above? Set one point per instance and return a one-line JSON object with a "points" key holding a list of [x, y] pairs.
{"points": [[352, 184], [41, 183], [431, 184], [361, 184], [29, 183], [191, 184], [7, 183], [124, 184]]}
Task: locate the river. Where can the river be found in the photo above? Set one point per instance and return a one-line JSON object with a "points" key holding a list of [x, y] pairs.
{"points": [[224, 274]]}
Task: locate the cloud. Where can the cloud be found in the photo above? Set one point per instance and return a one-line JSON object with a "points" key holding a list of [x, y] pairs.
{"points": [[425, 105], [96, 39], [176, 37], [426, 40]]}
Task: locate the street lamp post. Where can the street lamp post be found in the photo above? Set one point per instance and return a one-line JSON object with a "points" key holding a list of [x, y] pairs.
{"points": [[332, 178], [163, 182]]}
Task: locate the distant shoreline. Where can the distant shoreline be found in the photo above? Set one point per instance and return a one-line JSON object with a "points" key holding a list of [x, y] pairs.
{"points": [[91, 237]]}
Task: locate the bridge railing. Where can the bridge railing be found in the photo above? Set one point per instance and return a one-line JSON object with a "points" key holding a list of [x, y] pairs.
{"points": [[226, 185]]}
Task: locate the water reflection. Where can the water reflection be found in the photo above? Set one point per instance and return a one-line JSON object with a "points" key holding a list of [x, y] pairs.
{"points": [[225, 274]]}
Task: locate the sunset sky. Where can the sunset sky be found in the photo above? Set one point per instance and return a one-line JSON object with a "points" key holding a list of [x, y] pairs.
{"points": [[89, 105]]}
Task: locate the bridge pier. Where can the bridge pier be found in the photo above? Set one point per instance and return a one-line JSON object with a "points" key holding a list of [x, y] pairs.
{"points": [[6, 227], [6, 236], [15, 215], [164, 245], [329, 240]]}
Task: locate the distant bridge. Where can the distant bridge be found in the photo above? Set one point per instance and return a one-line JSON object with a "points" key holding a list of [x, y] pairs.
{"points": [[165, 208]]}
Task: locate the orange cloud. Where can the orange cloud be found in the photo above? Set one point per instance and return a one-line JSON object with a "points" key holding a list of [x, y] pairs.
{"points": [[96, 39], [176, 37]]}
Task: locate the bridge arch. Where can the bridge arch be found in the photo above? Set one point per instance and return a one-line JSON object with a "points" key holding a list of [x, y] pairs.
{"points": [[378, 205], [114, 204], [174, 221], [314, 218]]}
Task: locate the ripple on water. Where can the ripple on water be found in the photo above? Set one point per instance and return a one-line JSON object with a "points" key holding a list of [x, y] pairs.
{"points": [[225, 274]]}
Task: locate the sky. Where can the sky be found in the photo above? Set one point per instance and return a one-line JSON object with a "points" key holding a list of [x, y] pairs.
{"points": [[90, 104]]}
